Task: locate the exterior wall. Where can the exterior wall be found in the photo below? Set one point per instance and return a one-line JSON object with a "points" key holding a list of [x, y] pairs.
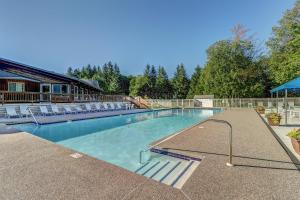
{"points": [[29, 86]]}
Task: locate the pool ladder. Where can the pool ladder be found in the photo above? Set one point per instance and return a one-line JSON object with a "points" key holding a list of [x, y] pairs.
{"points": [[229, 163], [32, 115]]}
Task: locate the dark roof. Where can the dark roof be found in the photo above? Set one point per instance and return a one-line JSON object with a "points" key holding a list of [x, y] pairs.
{"points": [[8, 75], [49, 72]]}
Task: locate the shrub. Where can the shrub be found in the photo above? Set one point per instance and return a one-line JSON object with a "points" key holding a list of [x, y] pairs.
{"points": [[274, 118], [260, 109], [295, 133]]}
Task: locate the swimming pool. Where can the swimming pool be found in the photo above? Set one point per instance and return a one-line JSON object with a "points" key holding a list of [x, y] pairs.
{"points": [[119, 139]]}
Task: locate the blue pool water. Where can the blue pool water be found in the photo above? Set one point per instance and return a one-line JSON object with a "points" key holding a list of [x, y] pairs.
{"points": [[119, 139]]}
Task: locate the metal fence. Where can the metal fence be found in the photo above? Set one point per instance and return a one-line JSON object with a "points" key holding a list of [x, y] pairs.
{"points": [[288, 108]]}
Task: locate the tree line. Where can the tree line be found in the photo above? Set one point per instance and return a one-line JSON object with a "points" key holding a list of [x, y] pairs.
{"points": [[235, 67]]}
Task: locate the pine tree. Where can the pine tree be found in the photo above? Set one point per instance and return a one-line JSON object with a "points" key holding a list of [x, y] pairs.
{"points": [[195, 84], [163, 86], [180, 82], [70, 71]]}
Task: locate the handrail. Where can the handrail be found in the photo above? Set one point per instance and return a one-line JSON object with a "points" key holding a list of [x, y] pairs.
{"points": [[229, 164], [32, 115]]}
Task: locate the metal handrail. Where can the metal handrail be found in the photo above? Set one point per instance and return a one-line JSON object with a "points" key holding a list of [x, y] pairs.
{"points": [[229, 164], [32, 115]]}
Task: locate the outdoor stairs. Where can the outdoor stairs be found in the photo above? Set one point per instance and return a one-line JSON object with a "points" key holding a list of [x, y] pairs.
{"points": [[169, 170]]}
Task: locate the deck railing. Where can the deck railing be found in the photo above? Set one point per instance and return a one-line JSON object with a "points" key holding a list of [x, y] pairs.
{"points": [[36, 97]]}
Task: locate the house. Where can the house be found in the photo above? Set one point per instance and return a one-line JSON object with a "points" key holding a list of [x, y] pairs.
{"points": [[24, 83]]}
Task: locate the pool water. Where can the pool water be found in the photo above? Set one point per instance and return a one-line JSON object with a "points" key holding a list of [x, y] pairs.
{"points": [[119, 139]]}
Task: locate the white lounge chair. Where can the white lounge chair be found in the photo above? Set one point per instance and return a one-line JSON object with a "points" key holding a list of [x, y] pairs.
{"points": [[78, 109], [106, 106], [132, 106], [88, 107], [44, 110], [11, 112], [68, 109], [24, 111], [55, 109], [112, 106], [291, 104], [120, 106], [98, 106]]}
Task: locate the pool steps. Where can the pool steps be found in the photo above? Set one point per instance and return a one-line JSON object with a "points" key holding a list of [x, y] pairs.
{"points": [[169, 170]]}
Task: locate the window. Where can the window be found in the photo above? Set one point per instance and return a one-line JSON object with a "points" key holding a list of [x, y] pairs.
{"points": [[56, 88], [64, 89], [16, 87], [60, 89]]}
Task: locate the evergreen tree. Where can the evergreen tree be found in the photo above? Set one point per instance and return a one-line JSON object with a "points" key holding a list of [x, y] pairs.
{"points": [[180, 82], [195, 84], [284, 47], [152, 82], [163, 86], [70, 71]]}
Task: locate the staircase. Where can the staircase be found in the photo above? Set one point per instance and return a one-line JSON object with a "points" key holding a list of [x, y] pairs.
{"points": [[169, 170]]}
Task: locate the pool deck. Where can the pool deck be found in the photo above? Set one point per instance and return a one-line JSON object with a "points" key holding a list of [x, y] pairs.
{"points": [[33, 168]]}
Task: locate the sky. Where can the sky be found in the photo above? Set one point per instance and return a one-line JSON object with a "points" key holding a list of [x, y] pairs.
{"points": [[57, 34]]}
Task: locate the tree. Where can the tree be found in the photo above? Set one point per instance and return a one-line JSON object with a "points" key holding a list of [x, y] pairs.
{"points": [[163, 86], [152, 82], [70, 71], [180, 82], [138, 86], [284, 47], [232, 70], [196, 86]]}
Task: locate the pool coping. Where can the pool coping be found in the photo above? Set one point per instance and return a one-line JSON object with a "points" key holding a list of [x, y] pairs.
{"points": [[104, 116]]}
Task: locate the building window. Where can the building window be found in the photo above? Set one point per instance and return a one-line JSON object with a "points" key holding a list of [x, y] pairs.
{"points": [[60, 88], [16, 87], [56, 88], [65, 89]]}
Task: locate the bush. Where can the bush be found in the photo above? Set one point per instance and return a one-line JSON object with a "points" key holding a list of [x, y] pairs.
{"points": [[260, 109], [295, 133], [273, 118]]}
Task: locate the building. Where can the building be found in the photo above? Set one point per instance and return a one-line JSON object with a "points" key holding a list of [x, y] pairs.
{"points": [[23, 83]]}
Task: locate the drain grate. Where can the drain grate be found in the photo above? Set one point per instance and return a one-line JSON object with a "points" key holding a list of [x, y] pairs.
{"points": [[76, 155]]}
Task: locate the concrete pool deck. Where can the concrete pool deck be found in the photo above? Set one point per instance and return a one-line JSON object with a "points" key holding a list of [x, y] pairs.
{"points": [[33, 168]]}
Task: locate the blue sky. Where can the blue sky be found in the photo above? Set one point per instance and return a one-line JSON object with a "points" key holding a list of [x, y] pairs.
{"points": [[56, 34]]}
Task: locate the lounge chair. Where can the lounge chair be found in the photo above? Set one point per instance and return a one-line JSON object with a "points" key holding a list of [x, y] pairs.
{"points": [[112, 106], [120, 105], [291, 104], [11, 112], [68, 109], [106, 106], [98, 106], [88, 107], [79, 109], [55, 109], [24, 111], [44, 110]]}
